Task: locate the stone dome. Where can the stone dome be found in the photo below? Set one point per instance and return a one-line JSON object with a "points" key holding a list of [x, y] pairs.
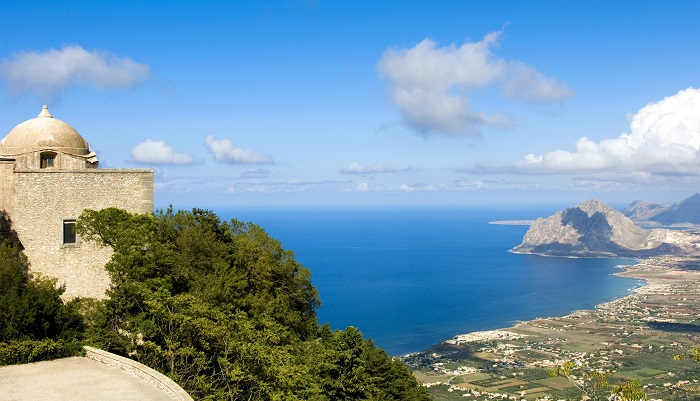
{"points": [[44, 133]]}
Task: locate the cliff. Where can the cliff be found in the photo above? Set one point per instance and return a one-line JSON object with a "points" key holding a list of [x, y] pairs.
{"points": [[594, 229]]}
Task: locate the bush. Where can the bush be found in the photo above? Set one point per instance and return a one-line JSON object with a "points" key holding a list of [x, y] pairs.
{"points": [[26, 351], [32, 309], [36, 325]]}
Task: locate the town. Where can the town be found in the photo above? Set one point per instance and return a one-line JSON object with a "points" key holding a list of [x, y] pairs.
{"points": [[631, 338]]}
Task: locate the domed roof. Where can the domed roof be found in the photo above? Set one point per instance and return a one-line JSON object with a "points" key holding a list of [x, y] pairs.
{"points": [[44, 133]]}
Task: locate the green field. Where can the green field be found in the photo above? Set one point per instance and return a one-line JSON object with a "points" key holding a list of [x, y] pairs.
{"points": [[635, 338]]}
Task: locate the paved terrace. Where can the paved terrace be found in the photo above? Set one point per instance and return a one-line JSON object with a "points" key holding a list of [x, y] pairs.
{"points": [[74, 379]]}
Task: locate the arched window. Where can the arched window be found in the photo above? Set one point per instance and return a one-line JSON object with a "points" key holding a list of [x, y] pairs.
{"points": [[48, 160]]}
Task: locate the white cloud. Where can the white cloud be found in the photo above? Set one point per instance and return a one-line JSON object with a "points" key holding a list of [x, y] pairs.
{"points": [[664, 139], [158, 152], [362, 187], [224, 151], [525, 83], [356, 168], [470, 185], [259, 189], [52, 72], [257, 173], [430, 85], [422, 187]]}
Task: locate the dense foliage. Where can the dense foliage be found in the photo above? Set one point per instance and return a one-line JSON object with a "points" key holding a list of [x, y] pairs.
{"points": [[35, 324], [226, 312]]}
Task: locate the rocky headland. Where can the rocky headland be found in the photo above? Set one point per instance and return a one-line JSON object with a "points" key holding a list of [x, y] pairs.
{"points": [[632, 338], [593, 229]]}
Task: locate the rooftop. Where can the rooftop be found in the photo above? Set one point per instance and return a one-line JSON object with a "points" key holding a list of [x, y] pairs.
{"points": [[44, 133]]}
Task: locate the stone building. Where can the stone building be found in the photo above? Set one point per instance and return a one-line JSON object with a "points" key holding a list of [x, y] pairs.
{"points": [[48, 176]]}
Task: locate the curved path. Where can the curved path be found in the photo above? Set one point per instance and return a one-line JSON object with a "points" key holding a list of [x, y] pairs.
{"points": [[74, 379]]}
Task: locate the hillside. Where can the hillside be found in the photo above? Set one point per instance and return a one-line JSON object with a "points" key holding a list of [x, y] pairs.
{"points": [[686, 211], [643, 211], [594, 229]]}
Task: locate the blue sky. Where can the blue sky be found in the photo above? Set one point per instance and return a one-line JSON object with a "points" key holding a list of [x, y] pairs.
{"points": [[413, 102]]}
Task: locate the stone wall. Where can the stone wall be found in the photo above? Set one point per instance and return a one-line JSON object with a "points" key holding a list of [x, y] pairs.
{"points": [[7, 185], [44, 199], [63, 161], [142, 371]]}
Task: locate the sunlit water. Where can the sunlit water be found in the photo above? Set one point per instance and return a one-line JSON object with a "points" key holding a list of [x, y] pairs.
{"points": [[411, 277]]}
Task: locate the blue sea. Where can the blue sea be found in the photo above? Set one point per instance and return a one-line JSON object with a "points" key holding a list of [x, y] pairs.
{"points": [[410, 277]]}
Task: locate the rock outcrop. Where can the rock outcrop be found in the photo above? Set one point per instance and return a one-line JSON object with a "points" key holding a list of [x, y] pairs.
{"points": [[594, 229]]}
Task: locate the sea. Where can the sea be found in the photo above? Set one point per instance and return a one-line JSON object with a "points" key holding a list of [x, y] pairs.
{"points": [[409, 277]]}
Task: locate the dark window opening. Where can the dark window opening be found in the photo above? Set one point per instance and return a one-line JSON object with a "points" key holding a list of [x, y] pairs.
{"points": [[69, 236], [48, 160]]}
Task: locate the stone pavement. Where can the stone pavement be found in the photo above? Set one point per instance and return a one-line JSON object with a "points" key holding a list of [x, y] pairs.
{"points": [[74, 379]]}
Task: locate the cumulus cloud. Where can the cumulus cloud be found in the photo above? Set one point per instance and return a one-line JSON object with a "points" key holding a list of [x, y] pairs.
{"points": [[158, 152], [356, 168], [224, 151], [362, 187], [664, 139], [430, 85], [50, 73]]}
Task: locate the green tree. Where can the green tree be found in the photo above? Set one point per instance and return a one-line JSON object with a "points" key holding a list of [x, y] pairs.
{"points": [[36, 324], [694, 355], [596, 384], [355, 369], [225, 311], [32, 309]]}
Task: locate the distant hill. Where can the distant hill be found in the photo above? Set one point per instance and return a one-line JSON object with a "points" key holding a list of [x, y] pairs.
{"points": [[643, 210], [686, 211], [594, 229]]}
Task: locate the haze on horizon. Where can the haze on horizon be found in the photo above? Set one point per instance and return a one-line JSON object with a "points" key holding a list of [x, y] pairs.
{"points": [[317, 102]]}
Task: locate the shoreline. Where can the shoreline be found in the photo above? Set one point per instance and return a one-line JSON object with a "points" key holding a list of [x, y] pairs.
{"points": [[632, 335], [656, 265], [512, 222], [484, 334]]}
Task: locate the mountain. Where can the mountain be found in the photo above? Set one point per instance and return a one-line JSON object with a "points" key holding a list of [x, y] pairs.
{"points": [[686, 211], [643, 210], [594, 229]]}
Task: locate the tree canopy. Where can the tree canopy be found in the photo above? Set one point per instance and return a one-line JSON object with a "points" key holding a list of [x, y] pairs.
{"points": [[226, 312]]}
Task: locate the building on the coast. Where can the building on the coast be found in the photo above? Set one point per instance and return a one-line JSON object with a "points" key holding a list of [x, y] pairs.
{"points": [[48, 176]]}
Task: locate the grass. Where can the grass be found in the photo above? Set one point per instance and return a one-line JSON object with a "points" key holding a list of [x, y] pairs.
{"points": [[648, 372], [557, 383]]}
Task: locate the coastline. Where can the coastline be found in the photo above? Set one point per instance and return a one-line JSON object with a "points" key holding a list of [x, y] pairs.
{"points": [[512, 222], [655, 321], [507, 332]]}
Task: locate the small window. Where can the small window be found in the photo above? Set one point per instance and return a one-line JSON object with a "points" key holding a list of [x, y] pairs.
{"points": [[69, 236], [48, 160]]}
